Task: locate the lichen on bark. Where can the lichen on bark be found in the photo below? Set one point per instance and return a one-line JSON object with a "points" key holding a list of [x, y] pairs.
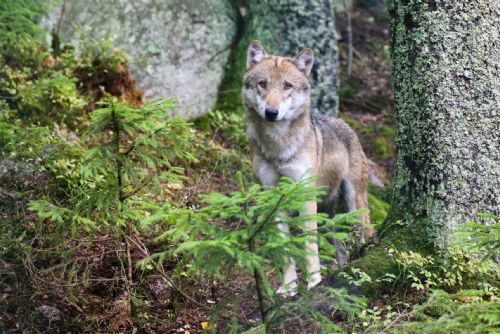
{"points": [[445, 57], [287, 26]]}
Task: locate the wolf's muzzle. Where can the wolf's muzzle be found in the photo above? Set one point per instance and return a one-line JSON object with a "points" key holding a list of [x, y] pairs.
{"points": [[271, 114]]}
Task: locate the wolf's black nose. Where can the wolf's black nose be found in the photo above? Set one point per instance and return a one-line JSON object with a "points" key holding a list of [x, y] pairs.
{"points": [[271, 114]]}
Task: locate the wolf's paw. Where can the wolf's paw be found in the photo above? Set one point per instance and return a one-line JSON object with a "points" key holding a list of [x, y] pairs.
{"points": [[289, 290], [313, 280]]}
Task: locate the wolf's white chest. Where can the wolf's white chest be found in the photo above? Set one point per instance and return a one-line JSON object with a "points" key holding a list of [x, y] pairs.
{"points": [[269, 173]]}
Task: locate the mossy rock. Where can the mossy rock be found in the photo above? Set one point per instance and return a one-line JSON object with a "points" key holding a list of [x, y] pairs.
{"points": [[180, 49]]}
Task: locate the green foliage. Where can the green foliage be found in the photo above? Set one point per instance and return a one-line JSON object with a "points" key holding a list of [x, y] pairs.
{"points": [[356, 277], [383, 147], [242, 231], [378, 210], [388, 132], [19, 141], [461, 265], [451, 269], [20, 36], [256, 209], [53, 97], [134, 155], [484, 238], [38, 85], [468, 270], [113, 185], [469, 311], [20, 17], [230, 125]]}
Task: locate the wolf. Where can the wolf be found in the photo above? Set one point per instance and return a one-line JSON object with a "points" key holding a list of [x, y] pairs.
{"points": [[288, 139]]}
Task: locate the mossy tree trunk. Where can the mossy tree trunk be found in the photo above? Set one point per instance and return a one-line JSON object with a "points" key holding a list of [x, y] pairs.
{"points": [[445, 56], [287, 26]]}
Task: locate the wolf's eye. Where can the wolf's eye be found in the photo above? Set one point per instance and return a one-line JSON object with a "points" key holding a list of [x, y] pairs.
{"points": [[288, 86], [263, 83]]}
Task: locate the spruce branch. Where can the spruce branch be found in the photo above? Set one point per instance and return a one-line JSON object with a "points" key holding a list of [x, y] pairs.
{"points": [[147, 180], [138, 141], [266, 220]]}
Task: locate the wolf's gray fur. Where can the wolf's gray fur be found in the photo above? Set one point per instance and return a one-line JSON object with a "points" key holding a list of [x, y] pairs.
{"points": [[287, 139]]}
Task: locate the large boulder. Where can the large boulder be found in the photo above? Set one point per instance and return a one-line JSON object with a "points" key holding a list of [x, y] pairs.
{"points": [[177, 48]]}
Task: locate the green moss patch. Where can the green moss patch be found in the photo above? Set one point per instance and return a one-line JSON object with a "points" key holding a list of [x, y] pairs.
{"points": [[378, 210], [383, 147]]}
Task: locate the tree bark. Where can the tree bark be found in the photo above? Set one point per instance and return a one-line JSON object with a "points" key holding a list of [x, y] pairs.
{"points": [[287, 26], [445, 58]]}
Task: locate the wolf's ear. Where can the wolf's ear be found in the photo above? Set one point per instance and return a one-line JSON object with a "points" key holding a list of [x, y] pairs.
{"points": [[255, 55], [304, 61]]}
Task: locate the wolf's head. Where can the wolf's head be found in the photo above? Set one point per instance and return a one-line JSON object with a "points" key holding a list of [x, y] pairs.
{"points": [[277, 88]]}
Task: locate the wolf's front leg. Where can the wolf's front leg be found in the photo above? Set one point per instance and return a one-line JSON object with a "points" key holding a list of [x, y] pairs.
{"points": [[290, 280], [312, 259]]}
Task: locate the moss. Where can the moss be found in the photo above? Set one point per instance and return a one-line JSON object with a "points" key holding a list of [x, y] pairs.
{"points": [[377, 262], [382, 193], [468, 311], [388, 132], [383, 147], [356, 125], [347, 92], [378, 210]]}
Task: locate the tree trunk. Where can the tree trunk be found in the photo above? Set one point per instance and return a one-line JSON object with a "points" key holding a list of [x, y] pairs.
{"points": [[287, 26], [445, 56]]}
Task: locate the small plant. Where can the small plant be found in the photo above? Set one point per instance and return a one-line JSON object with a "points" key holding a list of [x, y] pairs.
{"points": [[357, 277], [415, 269], [241, 231], [468, 311], [482, 237], [114, 187], [230, 125]]}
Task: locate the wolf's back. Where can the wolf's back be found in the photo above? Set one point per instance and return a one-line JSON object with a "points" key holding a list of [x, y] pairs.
{"points": [[334, 131]]}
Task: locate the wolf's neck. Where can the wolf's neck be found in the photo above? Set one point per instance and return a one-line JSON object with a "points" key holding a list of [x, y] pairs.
{"points": [[280, 140]]}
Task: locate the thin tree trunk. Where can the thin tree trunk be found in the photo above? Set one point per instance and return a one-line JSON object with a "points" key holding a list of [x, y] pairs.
{"points": [[125, 230], [260, 289], [348, 10]]}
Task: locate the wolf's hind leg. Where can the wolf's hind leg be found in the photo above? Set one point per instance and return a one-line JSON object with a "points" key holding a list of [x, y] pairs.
{"points": [[366, 230], [331, 205], [348, 194], [358, 199]]}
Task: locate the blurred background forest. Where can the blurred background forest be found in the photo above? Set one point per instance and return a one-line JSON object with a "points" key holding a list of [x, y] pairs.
{"points": [[125, 178]]}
